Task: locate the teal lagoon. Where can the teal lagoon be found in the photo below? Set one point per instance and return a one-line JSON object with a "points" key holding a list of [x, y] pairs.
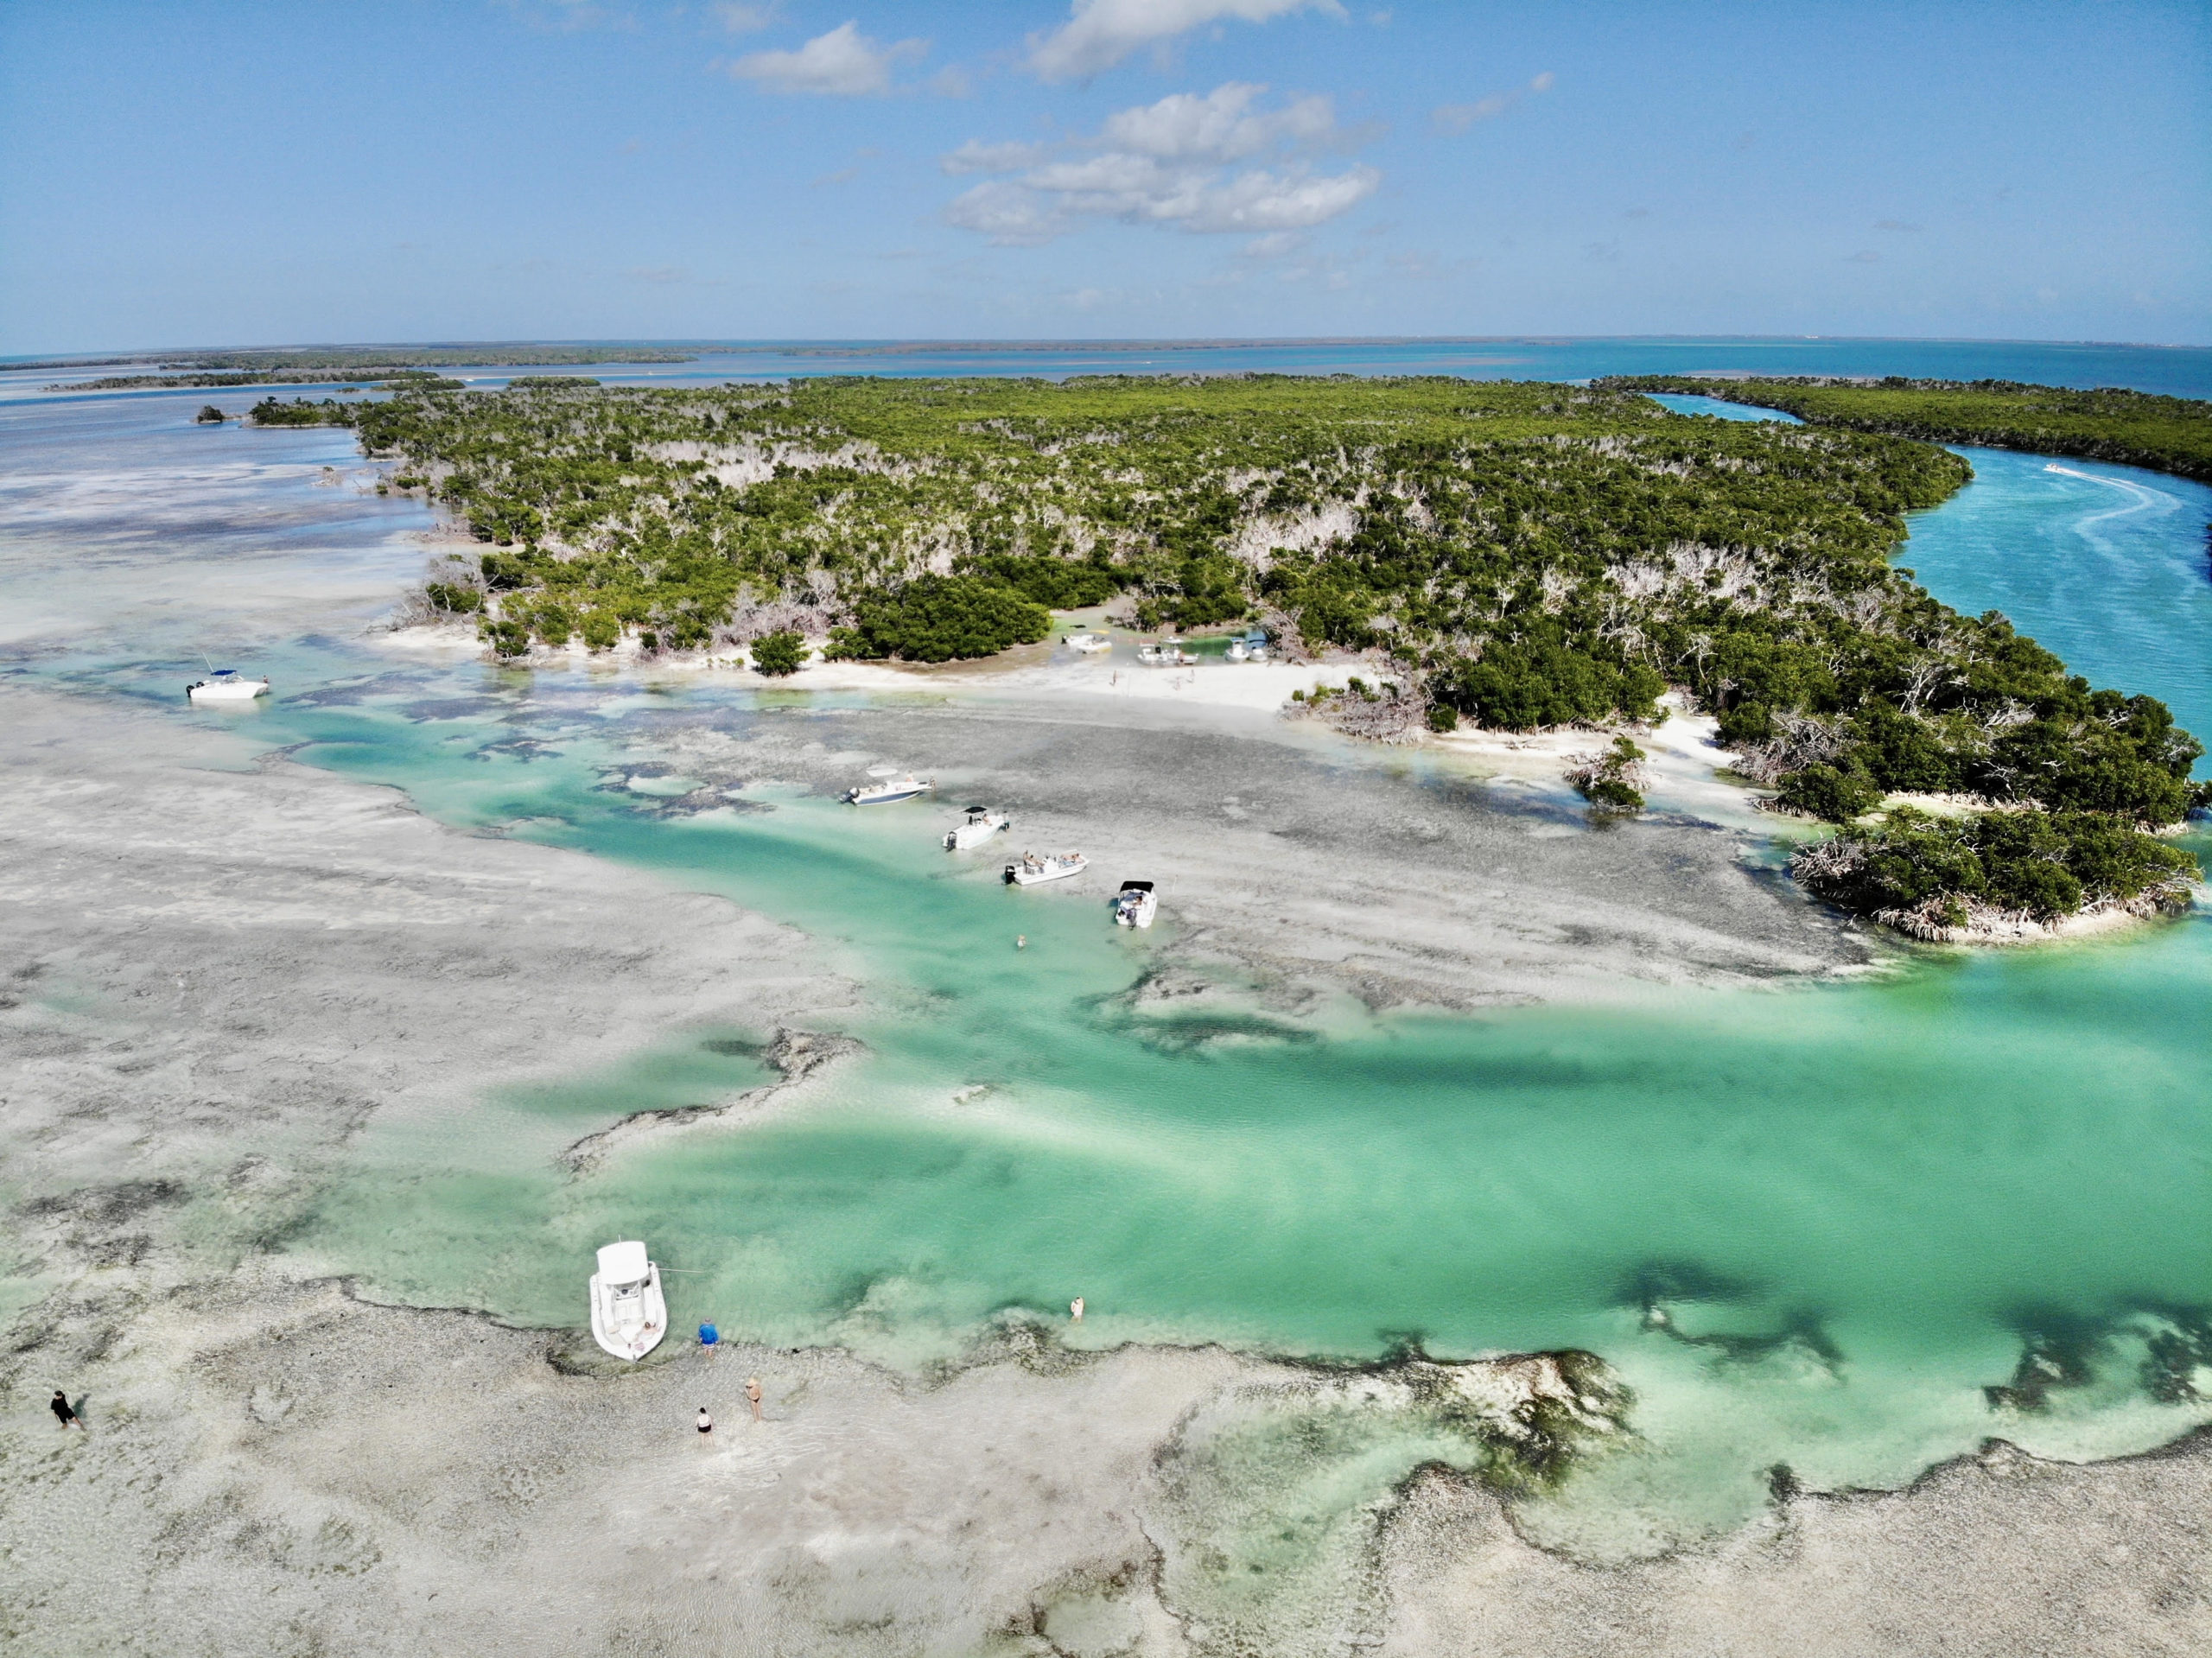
{"points": [[1858, 1206]]}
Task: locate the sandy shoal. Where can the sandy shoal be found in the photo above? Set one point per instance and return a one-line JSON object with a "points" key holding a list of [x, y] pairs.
{"points": [[218, 967]]}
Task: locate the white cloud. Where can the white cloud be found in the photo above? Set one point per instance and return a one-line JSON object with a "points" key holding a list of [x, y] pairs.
{"points": [[740, 19], [1220, 127], [1181, 162], [1458, 117], [975, 157], [844, 63], [1099, 34]]}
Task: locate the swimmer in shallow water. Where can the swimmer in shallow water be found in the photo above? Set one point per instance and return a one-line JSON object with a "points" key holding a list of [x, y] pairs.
{"points": [[706, 1422]]}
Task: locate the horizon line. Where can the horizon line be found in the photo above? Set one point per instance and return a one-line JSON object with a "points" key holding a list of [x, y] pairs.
{"points": [[1136, 342]]}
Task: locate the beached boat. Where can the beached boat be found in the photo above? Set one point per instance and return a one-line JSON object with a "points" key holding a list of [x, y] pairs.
{"points": [[629, 1315], [225, 685], [1166, 654], [886, 784], [1136, 905], [983, 823], [1053, 865], [1088, 644]]}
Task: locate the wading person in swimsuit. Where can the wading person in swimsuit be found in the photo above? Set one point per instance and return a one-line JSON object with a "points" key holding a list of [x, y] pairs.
{"points": [[706, 1422], [752, 1393], [64, 1412]]}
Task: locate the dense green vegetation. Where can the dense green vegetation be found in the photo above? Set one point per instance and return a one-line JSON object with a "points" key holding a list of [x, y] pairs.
{"points": [[1517, 555], [2135, 428], [778, 655], [938, 618], [1927, 874], [300, 412], [1612, 779]]}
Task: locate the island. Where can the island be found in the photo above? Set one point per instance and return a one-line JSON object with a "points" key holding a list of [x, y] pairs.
{"points": [[336, 364], [1517, 556]]}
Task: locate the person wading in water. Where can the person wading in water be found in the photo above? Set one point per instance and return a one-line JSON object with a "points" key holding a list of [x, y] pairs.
{"points": [[64, 1412], [706, 1422]]}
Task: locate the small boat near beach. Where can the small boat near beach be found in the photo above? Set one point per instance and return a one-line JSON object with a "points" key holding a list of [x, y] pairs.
{"points": [[225, 685], [983, 823], [629, 1315], [887, 783], [1168, 653], [1053, 865], [1136, 905], [1089, 644], [1250, 646]]}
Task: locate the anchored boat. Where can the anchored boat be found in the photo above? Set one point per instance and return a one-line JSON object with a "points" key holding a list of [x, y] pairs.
{"points": [[1088, 644], [1168, 653], [629, 1315], [1053, 865], [983, 823], [225, 685], [1135, 905], [887, 783]]}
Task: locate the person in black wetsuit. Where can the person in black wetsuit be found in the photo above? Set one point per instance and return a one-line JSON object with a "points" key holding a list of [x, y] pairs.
{"points": [[64, 1412]]}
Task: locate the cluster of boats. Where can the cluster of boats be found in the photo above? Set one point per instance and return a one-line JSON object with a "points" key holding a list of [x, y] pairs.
{"points": [[1135, 906], [1250, 645]]}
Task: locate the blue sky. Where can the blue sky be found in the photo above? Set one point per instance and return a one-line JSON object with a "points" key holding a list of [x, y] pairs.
{"points": [[563, 169]]}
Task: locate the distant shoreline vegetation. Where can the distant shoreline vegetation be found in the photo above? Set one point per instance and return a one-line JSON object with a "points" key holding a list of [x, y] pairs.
{"points": [[2134, 428], [1517, 555], [337, 363]]}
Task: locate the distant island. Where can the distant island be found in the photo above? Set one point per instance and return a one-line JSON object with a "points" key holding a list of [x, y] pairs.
{"points": [[336, 364], [1514, 555]]}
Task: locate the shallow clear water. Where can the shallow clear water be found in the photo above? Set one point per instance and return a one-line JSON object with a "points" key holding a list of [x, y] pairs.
{"points": [[1856, 1202]]}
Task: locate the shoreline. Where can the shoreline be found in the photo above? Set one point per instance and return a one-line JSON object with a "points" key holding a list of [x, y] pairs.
{"points": [[256, 1436], [1688, 767]]}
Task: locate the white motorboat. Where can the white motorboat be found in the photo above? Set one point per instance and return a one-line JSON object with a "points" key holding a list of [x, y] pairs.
{"points": [[1089, 644], [886, 784], [1167, 654], [983, 823], [225, 685], [1238, 651], [629, 1315], [1053, 865], [1251, 646], [1136, 905]]}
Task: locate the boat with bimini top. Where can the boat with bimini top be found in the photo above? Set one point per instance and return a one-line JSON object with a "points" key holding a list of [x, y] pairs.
{"points": [[629, 1314], [981, 824], [1090, 644], [1136, 905]]}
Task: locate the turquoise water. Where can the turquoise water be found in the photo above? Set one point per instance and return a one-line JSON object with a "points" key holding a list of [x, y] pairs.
{"points": [[1859, 1204]]}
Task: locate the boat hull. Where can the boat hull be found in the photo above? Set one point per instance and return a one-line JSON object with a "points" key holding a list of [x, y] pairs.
{"points": [[968, 837], [885, 796], [628, 1332], [1022, 876], [230, 691]]}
